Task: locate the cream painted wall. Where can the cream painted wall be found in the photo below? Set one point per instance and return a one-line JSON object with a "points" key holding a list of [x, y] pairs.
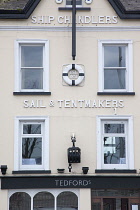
{"points": [[85, 199], [65, 121], [4, 200], [81, 121]]}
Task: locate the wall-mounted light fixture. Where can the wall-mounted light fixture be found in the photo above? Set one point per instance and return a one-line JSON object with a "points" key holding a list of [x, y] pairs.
{"points": [[85, 170], [74, 153], [3, 169]]}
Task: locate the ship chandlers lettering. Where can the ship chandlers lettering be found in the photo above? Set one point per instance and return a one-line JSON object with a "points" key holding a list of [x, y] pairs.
{"points": [[89, 19], [79, 19]]}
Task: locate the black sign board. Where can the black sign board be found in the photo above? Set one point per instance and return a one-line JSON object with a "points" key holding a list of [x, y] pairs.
{"points": [[98, 182]]}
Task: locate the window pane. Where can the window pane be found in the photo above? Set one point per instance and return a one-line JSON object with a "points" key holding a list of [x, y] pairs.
{"points": [[67, 201], [96, 203], [114, 56], [43, 201], [96, 206], [32, 79], [114, 79], [114, 128], [109, 203], [31, 128], [135, 207], [20, 201], [31, 151], [114, 150], [69, 2], [31, 56]]}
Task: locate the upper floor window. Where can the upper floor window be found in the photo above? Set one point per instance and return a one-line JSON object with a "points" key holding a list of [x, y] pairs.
{"points": [[115, 143], [69, 2], [32, 140], [32, 66], [31, 143], [115, 66]]}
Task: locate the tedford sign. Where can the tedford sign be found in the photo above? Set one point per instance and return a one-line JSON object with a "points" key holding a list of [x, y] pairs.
{"points": [[74, 103], [79, 19], [73, 183]]}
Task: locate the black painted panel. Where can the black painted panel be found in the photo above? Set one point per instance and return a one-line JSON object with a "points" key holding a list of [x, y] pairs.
{"points": [[98, 182]]}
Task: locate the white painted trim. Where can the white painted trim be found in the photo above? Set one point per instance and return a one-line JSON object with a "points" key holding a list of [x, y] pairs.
{"points": [[130, 143], [17, 152], [17, 44], [129, 64]]}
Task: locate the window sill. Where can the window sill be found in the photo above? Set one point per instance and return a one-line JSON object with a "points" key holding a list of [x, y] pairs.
{"points": [[77, 8], [31, 93], [128, 171], [32, 172], [116, 93]]}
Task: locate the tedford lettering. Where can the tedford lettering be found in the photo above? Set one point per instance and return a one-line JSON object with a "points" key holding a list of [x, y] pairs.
{"points": [[72, 183], [79, 19], [74, 103]]}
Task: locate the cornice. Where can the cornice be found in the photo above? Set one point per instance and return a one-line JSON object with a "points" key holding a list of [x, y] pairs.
{"points": [[68, 29]]}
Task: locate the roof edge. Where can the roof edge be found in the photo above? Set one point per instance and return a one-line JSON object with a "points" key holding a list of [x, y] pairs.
{"points": [[121, 11], [20, 13]]}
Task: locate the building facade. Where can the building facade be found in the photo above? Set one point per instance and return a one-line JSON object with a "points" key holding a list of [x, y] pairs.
{"points": [[70, 105]]}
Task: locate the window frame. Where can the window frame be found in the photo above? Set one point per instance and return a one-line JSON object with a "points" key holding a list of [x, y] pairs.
{"points": [[28, 42], [129, 142], [129, 65], [18, 143], [76, 4], [54, 192]]}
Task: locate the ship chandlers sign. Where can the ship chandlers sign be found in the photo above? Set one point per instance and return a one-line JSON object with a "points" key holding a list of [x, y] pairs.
{"points": [[42, 19]]}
